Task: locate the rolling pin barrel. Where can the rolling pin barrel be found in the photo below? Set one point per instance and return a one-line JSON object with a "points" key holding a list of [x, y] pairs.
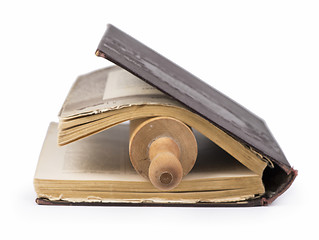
{"points": [[163, 150]]}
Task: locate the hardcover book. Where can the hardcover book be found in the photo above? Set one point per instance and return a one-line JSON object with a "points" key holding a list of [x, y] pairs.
{"points": [[88, 157]]}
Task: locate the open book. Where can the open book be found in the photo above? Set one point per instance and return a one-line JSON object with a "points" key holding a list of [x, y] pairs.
{"points": [[85, 157]]}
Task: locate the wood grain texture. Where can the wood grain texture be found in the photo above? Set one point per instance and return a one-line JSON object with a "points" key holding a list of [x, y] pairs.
{"points": [[162, 149]]}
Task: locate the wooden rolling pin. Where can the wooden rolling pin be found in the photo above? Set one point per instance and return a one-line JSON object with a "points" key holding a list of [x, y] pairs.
{"points": [[162, 149]]}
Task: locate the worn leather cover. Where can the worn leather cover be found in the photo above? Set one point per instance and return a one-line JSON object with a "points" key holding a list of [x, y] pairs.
{"points": [[204, 100]]}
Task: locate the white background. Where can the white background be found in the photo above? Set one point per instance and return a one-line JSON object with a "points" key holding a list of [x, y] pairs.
{"points": [[263, 54]]}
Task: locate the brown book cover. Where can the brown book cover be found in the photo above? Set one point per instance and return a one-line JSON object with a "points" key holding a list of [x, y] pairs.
{"points": [[204, 100]]}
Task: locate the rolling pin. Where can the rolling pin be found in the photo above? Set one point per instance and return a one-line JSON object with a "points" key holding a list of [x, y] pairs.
{"points": [[162, 149]]}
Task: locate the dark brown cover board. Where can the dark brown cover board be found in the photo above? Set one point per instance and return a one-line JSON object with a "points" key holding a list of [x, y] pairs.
{"points": [[223, 112], [251, 203]]}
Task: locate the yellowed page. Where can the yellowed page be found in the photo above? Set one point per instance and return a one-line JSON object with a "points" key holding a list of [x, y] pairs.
{"points": [[104, 156]]}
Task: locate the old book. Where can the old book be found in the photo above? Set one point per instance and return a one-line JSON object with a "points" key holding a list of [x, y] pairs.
{"points": [[239, 162]]}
